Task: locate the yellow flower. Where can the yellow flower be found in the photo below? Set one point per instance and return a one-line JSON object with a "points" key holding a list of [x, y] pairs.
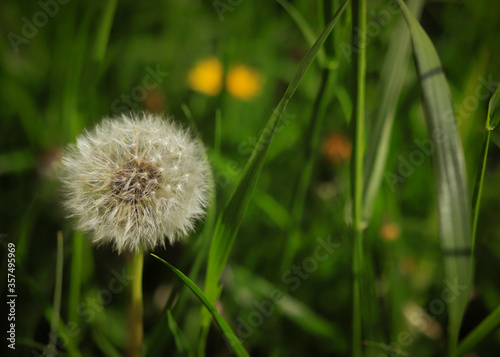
{"points": [[206, 76], [243, 82]]}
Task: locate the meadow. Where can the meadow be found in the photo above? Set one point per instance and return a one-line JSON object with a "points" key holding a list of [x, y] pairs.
{"points": [[355, 168]]}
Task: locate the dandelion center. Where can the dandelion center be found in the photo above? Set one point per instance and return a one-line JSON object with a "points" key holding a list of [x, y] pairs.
{"points": [[137, 179]]}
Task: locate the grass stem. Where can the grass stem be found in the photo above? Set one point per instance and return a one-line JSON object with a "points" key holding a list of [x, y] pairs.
{"points": [[359, 39], [486, 327], [476, 198], [56, 309]]}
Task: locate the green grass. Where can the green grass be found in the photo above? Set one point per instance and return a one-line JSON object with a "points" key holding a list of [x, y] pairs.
{"points": [[407, 222]]}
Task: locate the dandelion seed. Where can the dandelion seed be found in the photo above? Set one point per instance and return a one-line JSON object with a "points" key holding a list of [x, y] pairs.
{"points": [[118, 181]]}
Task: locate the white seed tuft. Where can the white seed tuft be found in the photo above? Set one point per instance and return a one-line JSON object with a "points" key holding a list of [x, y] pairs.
{"points": [[123, 185]]}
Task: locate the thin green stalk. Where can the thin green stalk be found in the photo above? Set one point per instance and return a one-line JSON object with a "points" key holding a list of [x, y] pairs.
{"points": [[135, 317], [357, 269], [35, 289], [358, 32], [56, 310], [491, 122], [104, 30], [202, 345], [476, 198], [304, 28], [487, 326], [107, 348], [76, 277]]}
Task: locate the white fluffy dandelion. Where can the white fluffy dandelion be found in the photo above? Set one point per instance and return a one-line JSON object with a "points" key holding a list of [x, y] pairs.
{"points": [[135, 180]]}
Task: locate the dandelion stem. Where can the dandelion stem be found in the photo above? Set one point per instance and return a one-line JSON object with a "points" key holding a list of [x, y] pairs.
{"points": [[135, 317]]}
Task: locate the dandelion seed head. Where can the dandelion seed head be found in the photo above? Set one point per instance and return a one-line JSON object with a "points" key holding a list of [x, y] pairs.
{"points": [[135, 181]]}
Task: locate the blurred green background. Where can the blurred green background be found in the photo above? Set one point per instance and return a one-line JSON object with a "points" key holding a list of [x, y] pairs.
{"points": [[64, 66]]}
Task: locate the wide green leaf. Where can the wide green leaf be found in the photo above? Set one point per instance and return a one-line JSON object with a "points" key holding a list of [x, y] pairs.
{"points": [[238, 349], [450, 174]]}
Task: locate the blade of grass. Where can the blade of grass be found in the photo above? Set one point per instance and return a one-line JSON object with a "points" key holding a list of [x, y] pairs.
{"points": [[387, 349], [304, 27], [69, 119], [56, 309], [493, 111], [230, 218], [104, 345], [493, 320], [238, 349], [487, 326], [28, 342], [61, 331], [392, 80], [16, 161], [25, 228], [104, 30], [180, 340], [358, 127], [285, 304], [491, 123], [272, 208], [478, 189], [94, 68], [34, 288], [449, 165], [76, 277]]}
